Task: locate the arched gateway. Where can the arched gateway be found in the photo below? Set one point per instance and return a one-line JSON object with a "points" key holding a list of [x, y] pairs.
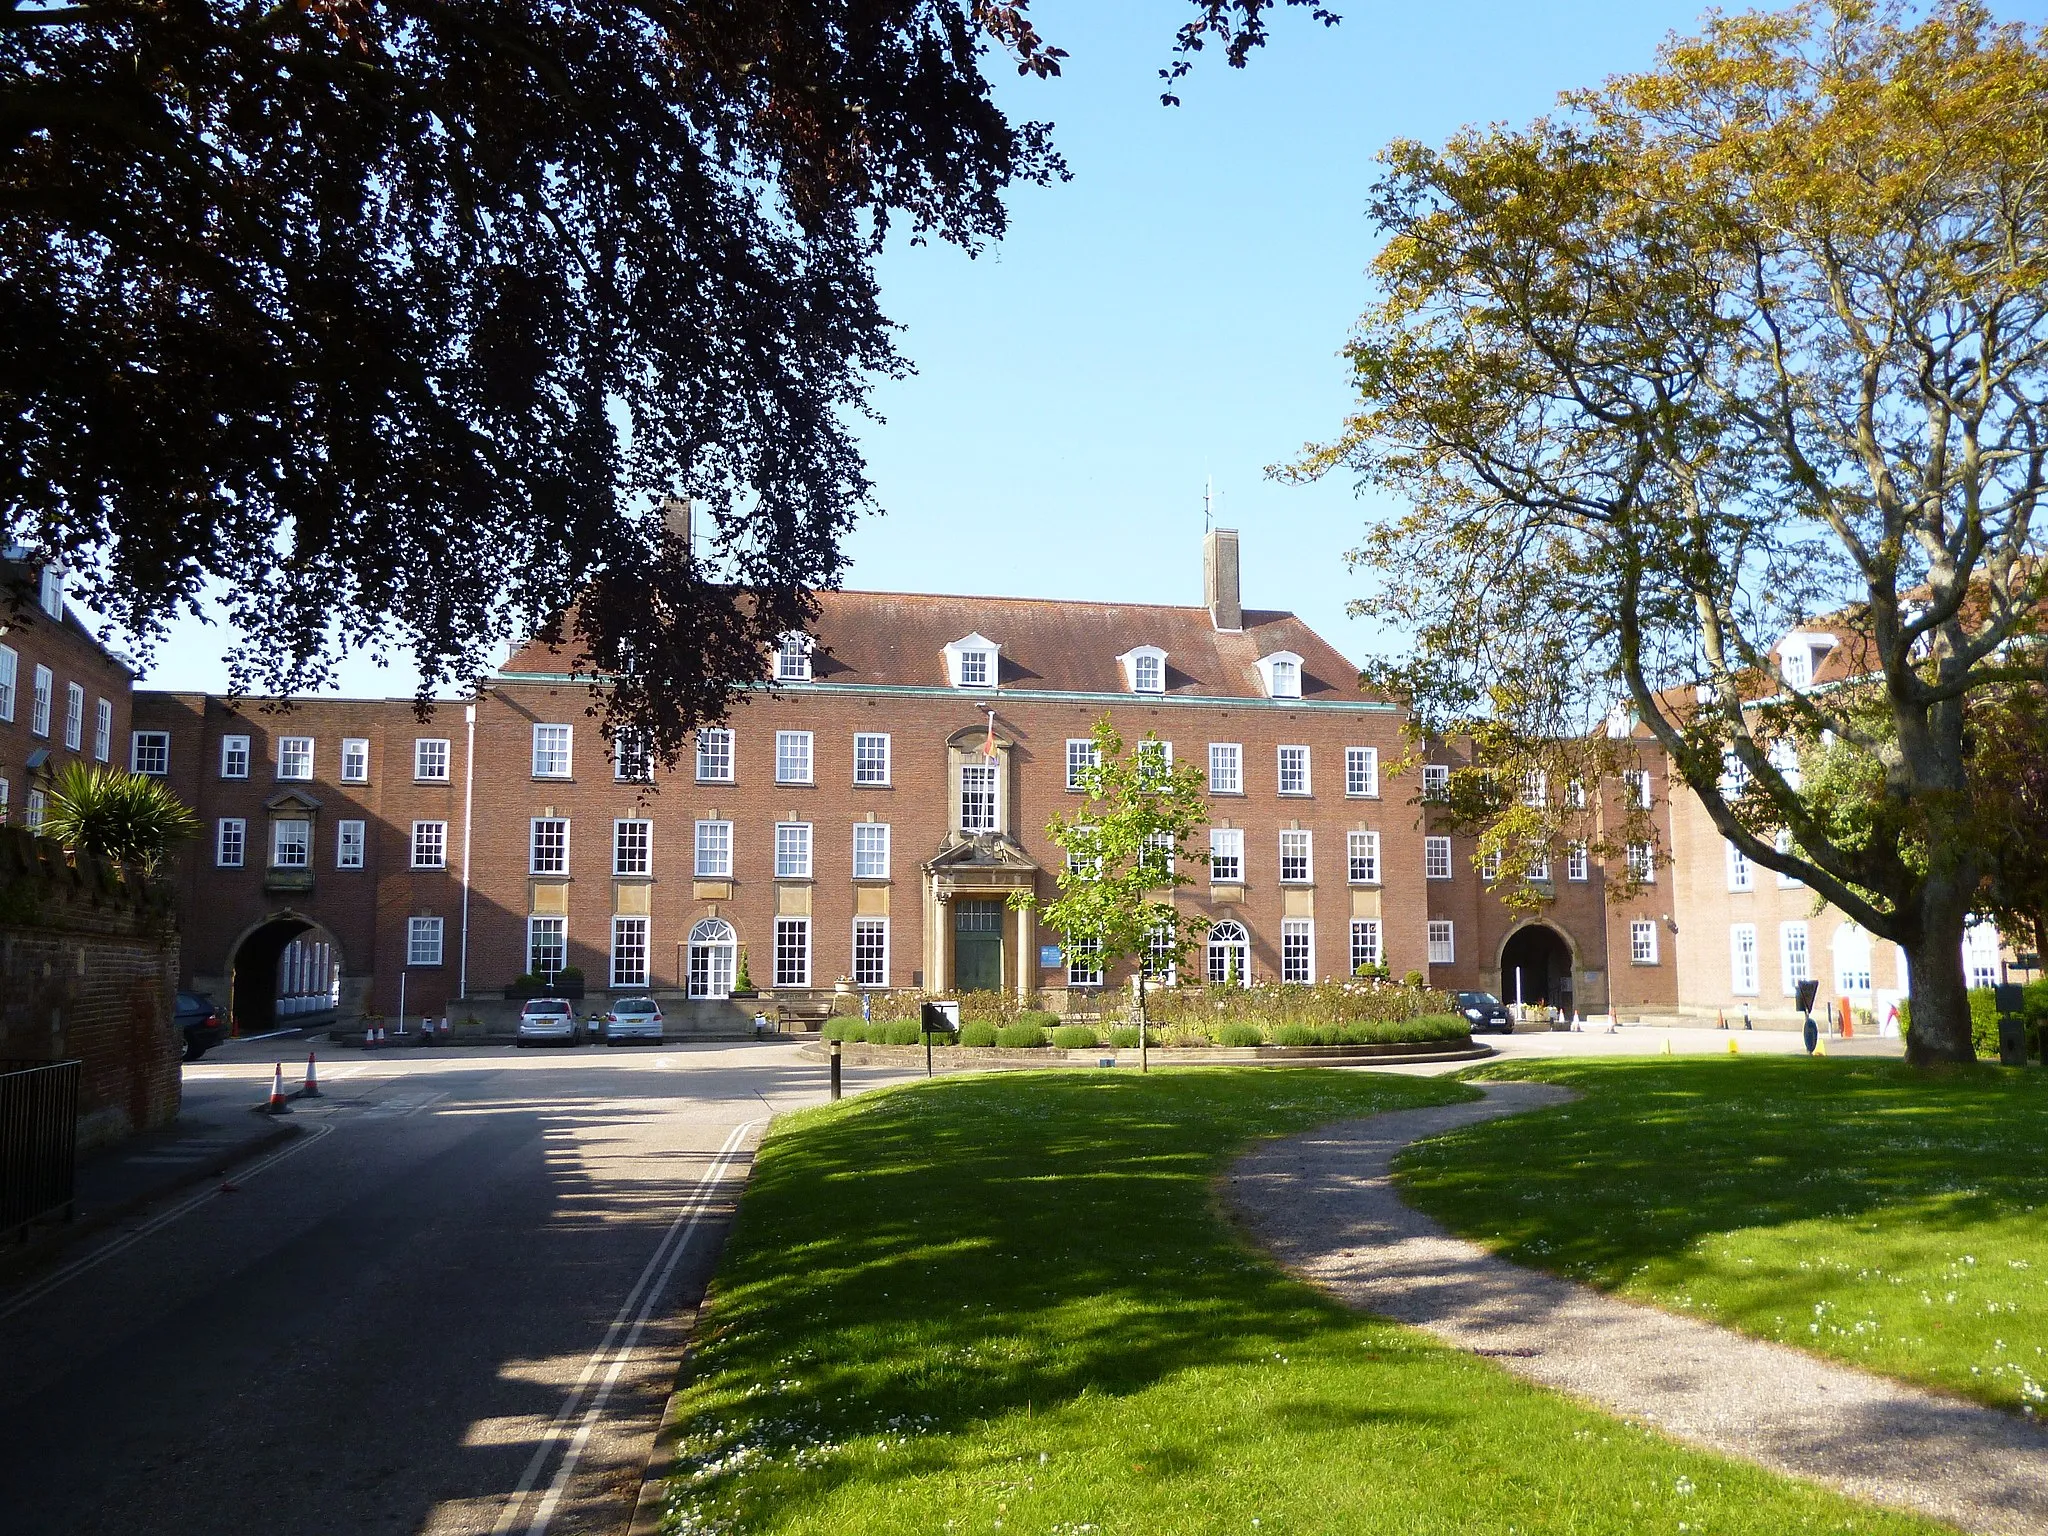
{"points": [[285, 969], [1536, 967]]}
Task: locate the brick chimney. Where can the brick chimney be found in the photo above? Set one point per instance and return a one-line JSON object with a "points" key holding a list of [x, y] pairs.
{"points": [[1219, 579], [676, 516]]}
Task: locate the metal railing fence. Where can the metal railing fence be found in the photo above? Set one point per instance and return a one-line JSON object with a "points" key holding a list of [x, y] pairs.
{"points": [[38, 1142]]}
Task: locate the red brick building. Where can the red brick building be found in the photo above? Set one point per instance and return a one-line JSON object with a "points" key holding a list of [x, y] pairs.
{"points": [[63, 697], [845, 825]]}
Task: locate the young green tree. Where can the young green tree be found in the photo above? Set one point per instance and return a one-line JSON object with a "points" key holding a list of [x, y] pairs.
{"points": [[1758, 335], [125, 818], [1125, 845]]}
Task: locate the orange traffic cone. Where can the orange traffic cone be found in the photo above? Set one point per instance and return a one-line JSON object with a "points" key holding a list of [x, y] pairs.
{"points": [[277, 1104], [312, 1088]]}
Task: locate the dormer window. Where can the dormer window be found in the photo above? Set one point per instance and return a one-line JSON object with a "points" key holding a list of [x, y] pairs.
{"points": [[793, 658], [1799, 656], [52, 593], [1281, 673], [1145, 669], [971, 662]]}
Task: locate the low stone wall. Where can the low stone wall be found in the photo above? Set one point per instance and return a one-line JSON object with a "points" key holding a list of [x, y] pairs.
{"points": [[495, 1020], [88, 968], [969, 1058]]}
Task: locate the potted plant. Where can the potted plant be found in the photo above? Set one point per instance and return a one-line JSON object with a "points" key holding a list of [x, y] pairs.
{"points": [[742, 983], [524, 986], [568, 982]]}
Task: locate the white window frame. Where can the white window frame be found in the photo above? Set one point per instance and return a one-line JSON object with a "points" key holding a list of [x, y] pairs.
{"points": [[159, 745], [355, 759], [627, 968], [103, 730], [50, 592], [1575, 861], [1225, 938], [1362, 853], [1443, 941], [1084, 962], [545, 854], [32, 811], [431, 839], [1292, 762], [295, 757], [558, 927], [632, 847], [978, 778], [871, 969], [1152, 756], [714, 850], [554, 751], [39, 702], [1298, 951], [298, 844], [1362, 773], [793, 760], [10, 674], [1783, 843], [1082, 754], [1366, 948], [1791, 975], [977, 667], [425, 941], [793, 658], [872, 861], [234, 757], [792, 850], [792, 960], [1158, 960], [424, 758], [1226, 855], [712, 948], [1281, 675], [1745, 970], [1642, 863], [349, 837], [1642, 942], [1489, 865], [1436, 781], [1304, 842], [632, 763], [1436, 858], [230, 842], [1226, 768], [74, 716], [1148, 673], [715, 750], [1535, 789], [871, 759], [1741, 873]]}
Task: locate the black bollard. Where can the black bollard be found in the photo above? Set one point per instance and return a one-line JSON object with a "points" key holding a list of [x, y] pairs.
{"points": [[835, 1068]]}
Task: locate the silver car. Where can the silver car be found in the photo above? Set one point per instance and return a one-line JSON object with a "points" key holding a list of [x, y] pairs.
{"points": [[633, 1018], [549, 1021]]}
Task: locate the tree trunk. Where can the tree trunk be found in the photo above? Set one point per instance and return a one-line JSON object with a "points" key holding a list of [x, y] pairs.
{"points": [[1941, 998], [1144, 1051]]}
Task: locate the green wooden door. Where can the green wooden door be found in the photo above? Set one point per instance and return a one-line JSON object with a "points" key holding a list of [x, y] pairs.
{"points": [[977, 946]]}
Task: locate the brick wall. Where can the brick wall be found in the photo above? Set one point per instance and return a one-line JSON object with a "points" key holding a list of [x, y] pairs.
{"points": [[87, 966]]}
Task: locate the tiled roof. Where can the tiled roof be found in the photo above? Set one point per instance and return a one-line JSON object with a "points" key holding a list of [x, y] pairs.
{"points": [[1047, 645]]}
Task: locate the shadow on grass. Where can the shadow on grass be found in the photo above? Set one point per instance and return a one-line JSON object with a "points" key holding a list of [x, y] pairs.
{"points": [[1656, 1156], [955, 1254]]}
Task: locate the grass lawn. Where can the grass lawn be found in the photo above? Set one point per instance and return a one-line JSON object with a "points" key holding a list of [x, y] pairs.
{"points": [[1859, 1209], [1011, 1304]]}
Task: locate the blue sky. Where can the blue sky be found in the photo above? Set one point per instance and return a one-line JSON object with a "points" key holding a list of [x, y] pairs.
{"points": [[1174, 312]]}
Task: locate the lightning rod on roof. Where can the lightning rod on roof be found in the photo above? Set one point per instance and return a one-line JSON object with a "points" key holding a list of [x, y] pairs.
{"points": [[1208, 501]]}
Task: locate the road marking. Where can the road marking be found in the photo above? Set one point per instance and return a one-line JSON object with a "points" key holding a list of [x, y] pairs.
{"points": [[78, 1267], [667, 1254]]}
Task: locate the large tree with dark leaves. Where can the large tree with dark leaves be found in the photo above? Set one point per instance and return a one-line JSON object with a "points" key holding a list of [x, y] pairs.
{"points": [[394, 321]]}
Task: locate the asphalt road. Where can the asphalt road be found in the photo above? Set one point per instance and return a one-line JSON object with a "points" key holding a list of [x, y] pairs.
{"points": [[453, 1303]]}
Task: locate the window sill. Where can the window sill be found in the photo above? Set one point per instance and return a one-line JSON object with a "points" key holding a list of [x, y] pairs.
{"points": [[433, 781], [872, 784], [796, 783], [1294, 794], [702, 780], [873, 880], [635, 879], [548, 778], [782, 879], [1644, 965], [1366, 885]]}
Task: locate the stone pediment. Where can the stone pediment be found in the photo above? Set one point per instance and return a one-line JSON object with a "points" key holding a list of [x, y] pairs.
{"points": [[292, 800], [981, 851]]}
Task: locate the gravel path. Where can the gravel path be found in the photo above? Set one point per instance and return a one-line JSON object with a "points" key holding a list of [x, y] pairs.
{"points": [[1324, 1203]]}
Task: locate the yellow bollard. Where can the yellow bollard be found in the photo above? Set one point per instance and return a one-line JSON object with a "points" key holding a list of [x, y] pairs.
{"points": [[1820, 1046], [1667, 1045], [1732, 1051]]}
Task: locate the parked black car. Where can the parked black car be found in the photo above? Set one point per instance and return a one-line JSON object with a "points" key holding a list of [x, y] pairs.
{"points": [[199, 1021], [1482, 1010]]}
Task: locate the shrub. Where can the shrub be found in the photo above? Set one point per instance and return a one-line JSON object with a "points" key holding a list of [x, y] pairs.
{"points": [[1413, 979], [1074, 1037], [901, 1034], [1240, 1034], [570, 975], [1017, 1037], [1039, 1017], [1297, 1034], [1438, 1026], [1124, 1037], [840, 1029], [978, 1033]]}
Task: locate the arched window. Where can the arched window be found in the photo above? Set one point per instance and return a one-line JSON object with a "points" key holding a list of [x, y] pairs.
{"points": [[711, 958], [1230, 955]]}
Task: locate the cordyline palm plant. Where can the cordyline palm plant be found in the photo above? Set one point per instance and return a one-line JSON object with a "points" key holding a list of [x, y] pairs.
{"points": [[122, 817]]}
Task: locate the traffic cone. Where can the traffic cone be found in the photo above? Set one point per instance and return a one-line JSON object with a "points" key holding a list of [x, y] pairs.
{"points": [[1721, 1015], [312, 1088], [277, 1104], [1820, 1046]]}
